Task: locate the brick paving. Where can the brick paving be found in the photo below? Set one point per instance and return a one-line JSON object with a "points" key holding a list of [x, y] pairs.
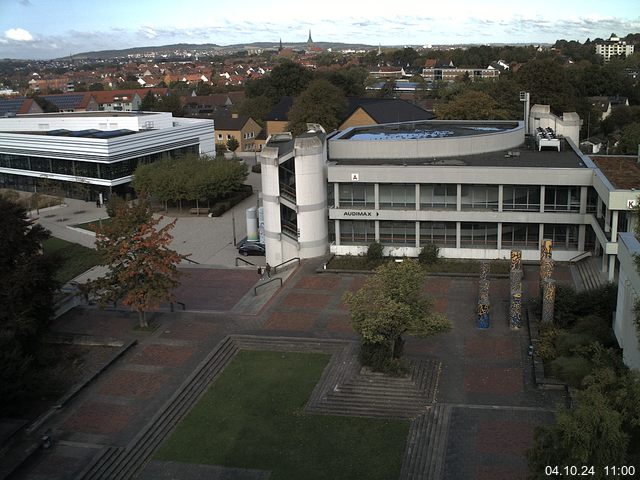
{"points": [[479, 367]]}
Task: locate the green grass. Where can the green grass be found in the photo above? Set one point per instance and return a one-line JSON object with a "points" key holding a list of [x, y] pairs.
{"points": [[253, 417], [94, 225], [75, 259]]}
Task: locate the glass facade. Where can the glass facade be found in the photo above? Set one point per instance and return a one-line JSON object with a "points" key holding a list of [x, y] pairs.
{"points": [[524, 235], [402, 234], [521, 198], [353, 232], [78, 168], [478, 235], [438, 196], [564, 237], [401, 196], [479, 197], [442, 234], [562, 199], [357, 195]]}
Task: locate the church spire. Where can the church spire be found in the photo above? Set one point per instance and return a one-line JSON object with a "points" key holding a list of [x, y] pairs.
{"points": [[310, 40], [280, 47]]}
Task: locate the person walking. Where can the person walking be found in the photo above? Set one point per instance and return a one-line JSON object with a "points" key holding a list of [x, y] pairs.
{"points": [[268, 270], [260, 274]]}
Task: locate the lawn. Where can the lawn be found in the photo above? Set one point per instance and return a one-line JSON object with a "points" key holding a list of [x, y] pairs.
{"points": [[75, 259], [253, 417]]}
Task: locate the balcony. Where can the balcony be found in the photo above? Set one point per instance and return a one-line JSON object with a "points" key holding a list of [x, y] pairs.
{"points": [[288, 192]]}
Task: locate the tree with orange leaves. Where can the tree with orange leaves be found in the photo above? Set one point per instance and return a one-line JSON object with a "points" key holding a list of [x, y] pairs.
{"points": [[143, 270]]}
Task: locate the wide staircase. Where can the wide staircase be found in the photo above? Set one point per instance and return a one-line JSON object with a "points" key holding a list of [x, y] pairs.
{"points": [[587, 274]]}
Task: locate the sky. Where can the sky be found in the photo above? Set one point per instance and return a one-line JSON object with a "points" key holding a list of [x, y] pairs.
{"points": [[44, 29]]}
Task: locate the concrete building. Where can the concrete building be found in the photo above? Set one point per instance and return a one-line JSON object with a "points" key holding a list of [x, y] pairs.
{"points": [[613, 48], [624, 325], [98, 151], [477, 189]]}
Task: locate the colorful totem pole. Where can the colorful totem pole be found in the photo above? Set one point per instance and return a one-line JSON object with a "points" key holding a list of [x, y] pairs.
{"points": [[546, 262], [515, 284], [483, 297], [548, 300]]}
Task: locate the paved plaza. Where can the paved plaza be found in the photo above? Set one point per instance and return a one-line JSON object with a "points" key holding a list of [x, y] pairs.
{"points": [[481, 391]]}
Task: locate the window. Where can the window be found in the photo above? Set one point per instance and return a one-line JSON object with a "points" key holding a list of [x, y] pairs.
{"points": [[562, 199], [521, 198], [228, 136], [355, 232], [564, 237], [438, 196], [401, 196], [520, 235], [478, 235], [442, 234], [219, 136], [592, 200], [360, 195], [398, 233], [480, 197]]}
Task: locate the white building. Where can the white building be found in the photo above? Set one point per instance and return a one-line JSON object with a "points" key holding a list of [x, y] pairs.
{"points": [[624, 325], [100, 150], [613, 47]]}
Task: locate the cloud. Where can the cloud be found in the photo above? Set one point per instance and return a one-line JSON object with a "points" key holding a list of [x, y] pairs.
{"points": [[26, 3], [18, 35]]}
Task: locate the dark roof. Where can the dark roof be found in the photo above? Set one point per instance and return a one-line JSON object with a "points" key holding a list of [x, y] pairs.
{"points": [[280, 110], [13, 106], [622, 171], [388, 110], [224, 121]]}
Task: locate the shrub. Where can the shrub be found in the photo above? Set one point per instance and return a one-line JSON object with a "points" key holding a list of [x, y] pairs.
{"points": [[257, 168], [374, 252], [597, 327], [546, 348], [429, 254], [571, 369], [567, 342]]}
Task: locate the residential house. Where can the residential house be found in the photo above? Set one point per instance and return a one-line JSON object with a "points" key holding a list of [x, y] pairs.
{"points": [[118, 100], [375, 111], [241, 127], [209, 104], [17, 106], [74, 102], [607, 104]]}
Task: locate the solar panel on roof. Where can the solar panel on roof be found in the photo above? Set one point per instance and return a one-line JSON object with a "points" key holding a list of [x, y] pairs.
{"points": [[60, 132], [112, 133], [65, 102], [10, 106], [84, 133]]}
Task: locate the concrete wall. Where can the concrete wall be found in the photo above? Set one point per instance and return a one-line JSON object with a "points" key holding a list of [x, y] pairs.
{"points": [[567, 126], [628, 291]]}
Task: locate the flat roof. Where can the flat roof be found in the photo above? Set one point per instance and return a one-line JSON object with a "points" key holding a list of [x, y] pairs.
{"points": [[425, 130], [101, 113], [622, 171], [515, 157]]}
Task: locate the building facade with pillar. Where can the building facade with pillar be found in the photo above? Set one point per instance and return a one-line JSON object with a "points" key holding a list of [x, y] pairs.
{"points": [[477, 189]]}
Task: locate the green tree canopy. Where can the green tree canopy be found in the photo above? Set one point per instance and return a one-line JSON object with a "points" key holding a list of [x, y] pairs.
{"points": [[322, 102], [630, 139], [391, 303], [472, 105], [26, 297], [233, 144]]}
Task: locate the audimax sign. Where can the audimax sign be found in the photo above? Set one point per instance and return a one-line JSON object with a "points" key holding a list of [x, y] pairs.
{"points": [[359, 213]]}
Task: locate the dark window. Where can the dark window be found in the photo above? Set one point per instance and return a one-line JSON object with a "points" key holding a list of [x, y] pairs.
{"points": [[564, 237], [478, 235], [562, 199], [357, 195], [479, 197], [521, 198], [442, 234], [398, 196], [398, 233], [438, 196], [354, 232], [520, 235]]}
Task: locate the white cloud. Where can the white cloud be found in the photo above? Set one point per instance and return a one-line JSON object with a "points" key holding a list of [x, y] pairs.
{"points": [[18, 34]]}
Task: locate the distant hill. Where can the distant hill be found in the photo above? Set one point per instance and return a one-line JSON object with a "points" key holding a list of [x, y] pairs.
{"points": [[211, 48]]}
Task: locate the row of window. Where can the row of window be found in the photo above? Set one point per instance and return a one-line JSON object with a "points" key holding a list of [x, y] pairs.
{"points": [[107, 171], [443, 234], [444, 197]]}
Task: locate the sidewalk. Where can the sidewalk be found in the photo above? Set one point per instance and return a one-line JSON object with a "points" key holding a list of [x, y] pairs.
{"points": [[206, 240]]}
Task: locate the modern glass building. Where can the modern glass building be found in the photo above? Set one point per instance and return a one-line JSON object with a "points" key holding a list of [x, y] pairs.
{"points": [[94, 152]]}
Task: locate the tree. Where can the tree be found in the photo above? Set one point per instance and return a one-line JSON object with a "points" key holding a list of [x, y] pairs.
{"points": [[391, 304], [256, 108], [142, 268], [149, 102], [630, 139], [472, 105], [26, 297], [322, 102], [233, 144], [548, 83]]}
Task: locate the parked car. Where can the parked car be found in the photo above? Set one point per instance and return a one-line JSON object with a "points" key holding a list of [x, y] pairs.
{"points": [[251, 248]]}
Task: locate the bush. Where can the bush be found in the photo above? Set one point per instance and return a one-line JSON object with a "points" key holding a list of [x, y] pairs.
{"points": [[597, 327], [546, 348], [257, 168], [570, 305], [571, 369], [566, 342], [374, 252], [429, 254]]}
